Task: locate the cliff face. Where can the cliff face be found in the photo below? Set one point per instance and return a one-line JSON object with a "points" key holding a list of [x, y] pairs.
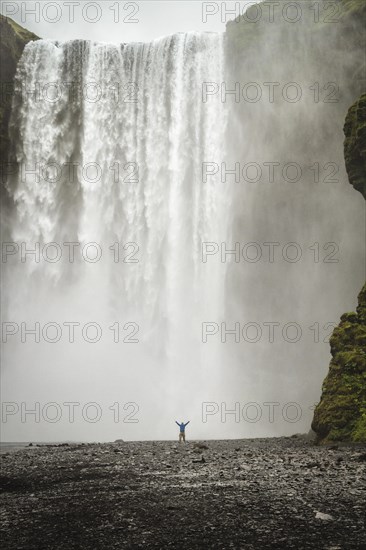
{"points": [[341, 413], [343, 22], [355, 145], [13, 40]]}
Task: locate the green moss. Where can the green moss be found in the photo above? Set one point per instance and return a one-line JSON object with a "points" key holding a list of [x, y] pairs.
{"points": [[341, 413], [355, 145], [21, 33], [359, 432]]}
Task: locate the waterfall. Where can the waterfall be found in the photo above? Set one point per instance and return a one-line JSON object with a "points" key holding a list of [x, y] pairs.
{"points": [[117, 136], [108, 144], [130, 138]]}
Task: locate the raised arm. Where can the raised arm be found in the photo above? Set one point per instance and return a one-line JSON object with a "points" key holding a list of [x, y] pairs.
{"points": [[186, 424], [177, 423]]}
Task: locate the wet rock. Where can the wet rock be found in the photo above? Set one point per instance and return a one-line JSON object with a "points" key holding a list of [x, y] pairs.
{"points": [[264, 497], [362, 457], [201, 446], [324, 517], [200, 461], [313, 465]]}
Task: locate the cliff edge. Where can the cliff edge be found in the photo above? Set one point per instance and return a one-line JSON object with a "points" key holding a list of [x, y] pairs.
{"points": [[12, 43], [341, 412]]}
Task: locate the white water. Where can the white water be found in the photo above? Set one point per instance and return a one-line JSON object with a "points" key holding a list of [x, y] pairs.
{"points": [[149, 114], [167, 211]]}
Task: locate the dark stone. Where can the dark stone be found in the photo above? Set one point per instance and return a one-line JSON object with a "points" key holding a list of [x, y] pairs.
{"points": [[13, 40]]}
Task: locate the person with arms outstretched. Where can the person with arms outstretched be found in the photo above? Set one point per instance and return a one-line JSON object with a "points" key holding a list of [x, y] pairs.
{"points": [[182, 430]]}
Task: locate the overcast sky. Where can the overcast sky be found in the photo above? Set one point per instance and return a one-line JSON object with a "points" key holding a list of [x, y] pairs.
{"points": [[120, 21]]}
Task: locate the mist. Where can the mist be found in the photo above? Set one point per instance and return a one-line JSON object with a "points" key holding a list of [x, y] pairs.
{"points": [[198, 332]]}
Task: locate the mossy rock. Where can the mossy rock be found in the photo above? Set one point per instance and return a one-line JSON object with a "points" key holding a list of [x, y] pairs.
{"points": [[355, 144], [359, 431], [350, 317], [341, 412]]}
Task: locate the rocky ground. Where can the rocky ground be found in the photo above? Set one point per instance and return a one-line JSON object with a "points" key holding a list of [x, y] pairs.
{"points": [[244, 494]]}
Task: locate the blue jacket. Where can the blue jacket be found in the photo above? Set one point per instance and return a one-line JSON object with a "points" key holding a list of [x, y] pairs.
{"points": [[182, 426]]}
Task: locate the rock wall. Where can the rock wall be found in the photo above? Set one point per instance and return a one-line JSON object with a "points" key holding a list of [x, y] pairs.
{"points": [[13, 40], [355, 145], [341, 412]]}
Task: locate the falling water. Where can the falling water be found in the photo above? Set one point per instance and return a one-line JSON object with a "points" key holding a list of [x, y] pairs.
{"points": [[129, 128], [118, 135], [137, 133]]}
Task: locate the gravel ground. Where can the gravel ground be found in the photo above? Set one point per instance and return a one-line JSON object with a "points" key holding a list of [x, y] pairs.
{"points": [[243, 494]]}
